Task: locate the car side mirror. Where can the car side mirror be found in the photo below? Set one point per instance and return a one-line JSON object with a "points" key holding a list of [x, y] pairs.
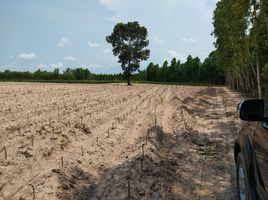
{"points": [[251, 110]]}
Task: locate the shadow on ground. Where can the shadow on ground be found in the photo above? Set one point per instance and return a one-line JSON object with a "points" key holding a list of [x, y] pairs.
{"points": [[168, 172]]}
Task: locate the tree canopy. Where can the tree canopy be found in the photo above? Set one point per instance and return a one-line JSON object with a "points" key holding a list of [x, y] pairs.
{"points": [[191, 71], [129, 42], [241, 31]]}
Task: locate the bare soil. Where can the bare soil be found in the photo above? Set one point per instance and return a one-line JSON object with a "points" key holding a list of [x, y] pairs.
{"points": [[111, 141]]}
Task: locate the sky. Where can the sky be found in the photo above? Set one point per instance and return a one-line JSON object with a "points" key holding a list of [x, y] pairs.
{"points": [[38, 34]]}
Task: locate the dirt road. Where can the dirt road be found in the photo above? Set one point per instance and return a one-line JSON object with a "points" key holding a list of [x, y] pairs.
{"points": [[111, 141]]}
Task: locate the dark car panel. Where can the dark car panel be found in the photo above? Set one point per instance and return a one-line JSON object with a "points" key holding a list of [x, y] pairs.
{"points": [[252, 141], [245, 142], [260, 144]]}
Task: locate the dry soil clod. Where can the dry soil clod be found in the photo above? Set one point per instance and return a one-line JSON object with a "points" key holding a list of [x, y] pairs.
{"points": [[18, 129], [49, 119], [5, 151], [82, 150], [58, 113], [32, 140], [61, 161], [33, 191], [108, 133]]}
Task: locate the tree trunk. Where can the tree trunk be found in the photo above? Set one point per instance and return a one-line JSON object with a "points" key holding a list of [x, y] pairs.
{"points": [[248, 80], [253, 70], [128, 76], [258, 77], [128, 79]]}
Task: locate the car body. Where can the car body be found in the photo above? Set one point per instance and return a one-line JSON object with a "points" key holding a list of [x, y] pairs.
{"points": [[251, 151]]}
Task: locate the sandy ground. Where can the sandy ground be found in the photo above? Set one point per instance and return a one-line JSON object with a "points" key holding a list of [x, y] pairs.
{"points": [[111, 141]]}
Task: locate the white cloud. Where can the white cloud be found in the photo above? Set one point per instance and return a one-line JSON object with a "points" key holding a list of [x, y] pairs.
{"points": [[90, 66], [93, 44], [41, 65], [93, 66], [69, 58], [5, 67], [63, 42], [107, 51], [27, 56], [174, 54], [56, 65]]}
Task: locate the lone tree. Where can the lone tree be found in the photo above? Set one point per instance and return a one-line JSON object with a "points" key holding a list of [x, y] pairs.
{"points": [[129, 43]]}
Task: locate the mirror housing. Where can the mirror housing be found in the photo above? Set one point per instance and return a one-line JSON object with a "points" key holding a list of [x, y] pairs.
{"points": [[251, 110]]}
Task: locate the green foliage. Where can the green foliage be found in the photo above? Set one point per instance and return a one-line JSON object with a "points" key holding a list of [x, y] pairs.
{"points": [[241, 32], [129, 42], [152, 72], [209, 72], [265, 72], [68, 74], [192, 71]]}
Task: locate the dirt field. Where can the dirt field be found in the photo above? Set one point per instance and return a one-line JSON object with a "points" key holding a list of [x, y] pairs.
{"points": [[111, 141]]}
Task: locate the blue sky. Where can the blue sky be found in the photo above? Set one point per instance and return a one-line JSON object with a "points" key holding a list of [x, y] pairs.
{"points": [[66, 33]]}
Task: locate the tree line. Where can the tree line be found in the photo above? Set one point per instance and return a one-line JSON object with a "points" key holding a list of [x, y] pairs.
{"points": [[68, 74], [191, 71], [241, 32]]}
